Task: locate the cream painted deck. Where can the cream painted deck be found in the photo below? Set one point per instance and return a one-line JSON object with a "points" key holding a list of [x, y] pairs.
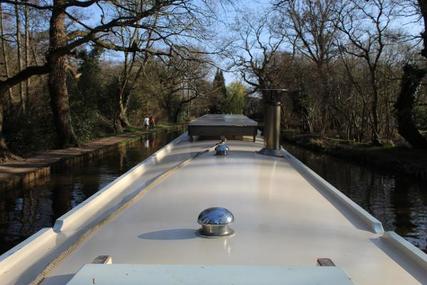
{"points": [[281, 219]]}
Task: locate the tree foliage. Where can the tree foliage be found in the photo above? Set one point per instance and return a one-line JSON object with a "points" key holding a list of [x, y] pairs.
{"points": [[100, 67], [234, 101], [341, 62], [219, 92], [50, 36]]}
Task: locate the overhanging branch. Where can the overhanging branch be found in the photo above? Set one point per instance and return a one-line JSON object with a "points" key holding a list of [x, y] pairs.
{"points": [[22, 75]]}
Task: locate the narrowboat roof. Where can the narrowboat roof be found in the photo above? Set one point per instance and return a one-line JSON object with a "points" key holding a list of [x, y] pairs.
{"points": [[223, 120], [285, 216]]}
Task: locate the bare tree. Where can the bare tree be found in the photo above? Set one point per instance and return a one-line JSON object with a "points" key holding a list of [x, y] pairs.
{"points": [[176, 81], [133, 65], [162, 35], [18, 38], [68, 31], [357, 96], [410, 85], [366, 26], [4, 51], [27, 51], [311, 28], [255, 47], [421, 9]]}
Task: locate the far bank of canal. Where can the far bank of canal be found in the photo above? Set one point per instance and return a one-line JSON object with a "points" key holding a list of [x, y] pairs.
{"points": [[26, 209], [399, 201]]}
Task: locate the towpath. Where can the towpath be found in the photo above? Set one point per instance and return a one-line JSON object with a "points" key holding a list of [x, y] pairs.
{"points": [[27, 171]]}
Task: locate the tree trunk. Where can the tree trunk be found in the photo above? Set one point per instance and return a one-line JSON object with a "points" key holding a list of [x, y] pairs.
{"points": [[423, 9], [27, 51], [120, 119], [59, 98], [176, 114], [4, 53], [19, 54], [375, 139], [324, 97], [411, 81], [5, 153], [173, 109], [364, 122]]}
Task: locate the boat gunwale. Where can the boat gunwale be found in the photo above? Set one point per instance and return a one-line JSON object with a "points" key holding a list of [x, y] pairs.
{"points": [[406, 248], [47, 237], [113, 189], [374, 225], [403, 247]]}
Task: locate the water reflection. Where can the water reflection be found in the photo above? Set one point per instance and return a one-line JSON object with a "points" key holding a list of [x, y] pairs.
{"points": [[398, 201], [25, 211]]}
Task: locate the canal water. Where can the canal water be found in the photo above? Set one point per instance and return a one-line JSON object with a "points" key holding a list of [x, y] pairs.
{"points": [[25, 211], [398, 201]]}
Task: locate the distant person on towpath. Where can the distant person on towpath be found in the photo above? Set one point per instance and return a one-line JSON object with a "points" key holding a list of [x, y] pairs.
{"points": [[146, 123], [152, 122]]}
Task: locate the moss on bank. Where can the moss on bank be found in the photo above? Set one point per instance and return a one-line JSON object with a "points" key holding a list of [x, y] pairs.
{"points": [[393, 158]]}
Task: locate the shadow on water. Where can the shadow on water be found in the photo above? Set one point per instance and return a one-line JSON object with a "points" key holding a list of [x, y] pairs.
{"points": [[398, 201], [25, 211]]}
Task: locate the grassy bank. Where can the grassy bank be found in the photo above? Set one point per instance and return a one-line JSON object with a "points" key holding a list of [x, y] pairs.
{"points": [[393, 158]]}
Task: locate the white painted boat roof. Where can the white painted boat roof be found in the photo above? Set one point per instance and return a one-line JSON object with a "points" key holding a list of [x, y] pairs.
{"points": [[285, 215], [216, 120]]}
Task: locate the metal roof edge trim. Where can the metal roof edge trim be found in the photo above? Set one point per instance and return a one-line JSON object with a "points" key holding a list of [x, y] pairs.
{"points": [[25, 251], [407, 248], [95, 202], [28, 244], [373, 224]]}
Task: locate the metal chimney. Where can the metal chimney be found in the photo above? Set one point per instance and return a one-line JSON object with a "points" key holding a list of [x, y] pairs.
{"points": [[272, 122]]}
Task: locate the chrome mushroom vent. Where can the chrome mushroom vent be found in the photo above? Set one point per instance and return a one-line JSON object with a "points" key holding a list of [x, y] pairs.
{"points": [[215, 221], [222, 148]]}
